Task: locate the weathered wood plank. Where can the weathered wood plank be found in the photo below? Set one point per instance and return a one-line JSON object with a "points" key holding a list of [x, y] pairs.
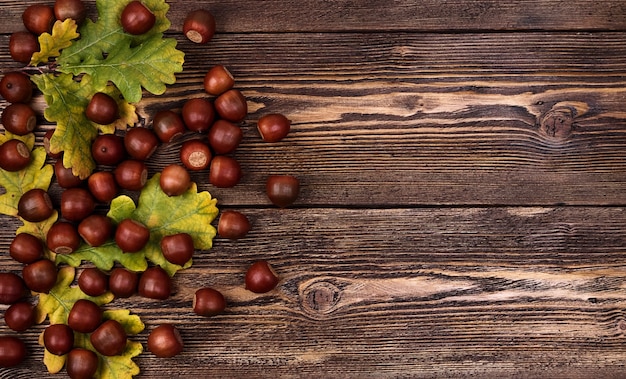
{"points": [[429, 119], [541, 235], [403, 292], [431, 15]]}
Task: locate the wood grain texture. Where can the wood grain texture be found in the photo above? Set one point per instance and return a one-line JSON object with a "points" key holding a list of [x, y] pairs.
{"points": [[450, 119], [277, 16], [364, 293], [463, 204]]}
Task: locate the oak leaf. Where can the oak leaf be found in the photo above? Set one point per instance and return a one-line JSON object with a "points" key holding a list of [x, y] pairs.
{"points": [[67, 99], [51, 44], [131, 62], [150, 65], [104, 257], [40, 230], [98, 37], [192, 213], [37, 174], [56, 306]]}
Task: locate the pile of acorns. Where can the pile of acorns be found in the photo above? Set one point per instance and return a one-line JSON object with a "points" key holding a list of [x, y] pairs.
{"points": [[215, 120]]}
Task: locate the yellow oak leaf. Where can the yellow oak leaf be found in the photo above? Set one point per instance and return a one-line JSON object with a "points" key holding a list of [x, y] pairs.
{"points": [[51, 44], [37, 174], [56, 306]]}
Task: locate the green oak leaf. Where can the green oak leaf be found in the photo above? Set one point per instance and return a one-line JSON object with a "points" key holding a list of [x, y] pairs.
{"points": [[37, 174], [131, 62], [150, 65], [51, 44], [56, 306], [104, 257], [97, 38], [191, 212], [67, 99]]}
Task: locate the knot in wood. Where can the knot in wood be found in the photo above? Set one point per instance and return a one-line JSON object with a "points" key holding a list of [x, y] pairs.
{"points": [[321, 297], [557, 123]]}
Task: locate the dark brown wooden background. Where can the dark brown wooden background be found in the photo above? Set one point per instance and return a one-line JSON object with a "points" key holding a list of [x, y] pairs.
{"points": [[463, 170]]}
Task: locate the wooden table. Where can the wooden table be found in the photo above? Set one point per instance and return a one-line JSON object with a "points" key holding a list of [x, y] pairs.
{"points": [[463, 170]]}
